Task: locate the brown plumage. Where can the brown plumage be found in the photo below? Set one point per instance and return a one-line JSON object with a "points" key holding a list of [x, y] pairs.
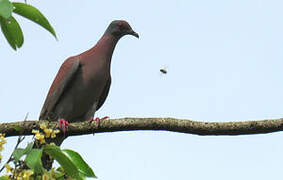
{"points": [[83, 81]]}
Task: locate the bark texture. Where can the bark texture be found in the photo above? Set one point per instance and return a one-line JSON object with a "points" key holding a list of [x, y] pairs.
{"points": [[162, 124]]}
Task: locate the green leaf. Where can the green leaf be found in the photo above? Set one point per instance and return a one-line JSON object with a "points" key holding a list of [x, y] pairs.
{"points": [[6, 8], [60, 169], [12, 31], [34, 15], [4, 178], [69, 167], [19, 152], [82, 166], [28, 148], [33, 160], [60, 178], [83, 177]]}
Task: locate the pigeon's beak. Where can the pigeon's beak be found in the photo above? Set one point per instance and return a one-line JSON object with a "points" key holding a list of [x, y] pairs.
{"points": [[133, 33]]}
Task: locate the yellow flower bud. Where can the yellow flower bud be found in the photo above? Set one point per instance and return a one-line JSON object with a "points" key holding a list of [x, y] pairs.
{"points": [[3, 142], [40, 137], [27, 174], [2, 136], [53, 134], [8, 168], [35, 131], [43, 126], [46, 176], [48, 132], [1, 147], [42, 141], [37, 136]]}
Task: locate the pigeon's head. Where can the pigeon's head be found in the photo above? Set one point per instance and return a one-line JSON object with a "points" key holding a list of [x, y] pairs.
{"points": [[119, 28]]}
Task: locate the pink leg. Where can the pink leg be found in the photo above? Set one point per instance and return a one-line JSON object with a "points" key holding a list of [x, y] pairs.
{"points": [[63, 124], [90, 120], [97, 120]]}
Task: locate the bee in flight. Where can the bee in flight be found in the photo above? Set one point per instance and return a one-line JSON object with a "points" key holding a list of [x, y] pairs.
{"points": [[163, 70]]}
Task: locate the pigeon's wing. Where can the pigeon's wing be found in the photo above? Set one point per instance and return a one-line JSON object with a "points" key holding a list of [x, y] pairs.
{"points": [[63, 78], [104, 94]]}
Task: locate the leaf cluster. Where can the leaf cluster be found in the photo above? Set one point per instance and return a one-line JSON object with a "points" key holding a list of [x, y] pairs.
{"points": [[11, 28], [72, 165]]}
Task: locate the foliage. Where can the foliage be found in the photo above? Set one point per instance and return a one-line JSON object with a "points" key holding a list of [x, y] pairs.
{"points": [[26, 163], [11, 28]]}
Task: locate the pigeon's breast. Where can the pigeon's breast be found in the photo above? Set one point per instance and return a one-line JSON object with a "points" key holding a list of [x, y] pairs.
{"points": [[86, 90]]}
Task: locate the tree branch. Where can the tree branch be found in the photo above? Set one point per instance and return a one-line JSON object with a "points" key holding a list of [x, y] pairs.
{"points": [[165, 124]]}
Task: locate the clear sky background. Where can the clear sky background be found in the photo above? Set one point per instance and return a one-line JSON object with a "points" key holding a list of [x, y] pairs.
{"points": [[224, 60]]}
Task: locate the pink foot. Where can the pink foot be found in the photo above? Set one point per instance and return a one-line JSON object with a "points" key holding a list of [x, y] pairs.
{"points": [[63, 124], [97, 120], [90, 120]]}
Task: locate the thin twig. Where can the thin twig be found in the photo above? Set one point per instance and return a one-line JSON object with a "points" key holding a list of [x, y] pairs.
{"points": [[20, 139]]}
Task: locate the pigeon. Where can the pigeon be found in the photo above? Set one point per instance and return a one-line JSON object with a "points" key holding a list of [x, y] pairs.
{"points": [[82, 83]]}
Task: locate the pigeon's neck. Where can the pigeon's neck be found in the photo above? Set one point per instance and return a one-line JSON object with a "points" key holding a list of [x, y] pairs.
{"points": [[101, 54], [105, 46]]}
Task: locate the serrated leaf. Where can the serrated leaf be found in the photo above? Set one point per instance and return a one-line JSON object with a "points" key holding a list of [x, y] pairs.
{"points": [[69, 167], [82, 166], [19, 152], [6, 8], [12, 31], [34, 15], [33, 160]]}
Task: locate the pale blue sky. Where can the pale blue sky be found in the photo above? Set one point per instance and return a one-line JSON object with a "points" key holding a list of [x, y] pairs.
{"points": [[224, 62]]}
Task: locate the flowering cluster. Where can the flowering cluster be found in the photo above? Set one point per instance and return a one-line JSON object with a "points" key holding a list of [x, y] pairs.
{"points": [[48, 133], [23, 175], [29, 174], [2, 142], [18, 175]]}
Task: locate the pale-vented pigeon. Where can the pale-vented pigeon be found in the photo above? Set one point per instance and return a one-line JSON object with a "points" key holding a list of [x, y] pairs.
{"points": [[83, 81]]}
